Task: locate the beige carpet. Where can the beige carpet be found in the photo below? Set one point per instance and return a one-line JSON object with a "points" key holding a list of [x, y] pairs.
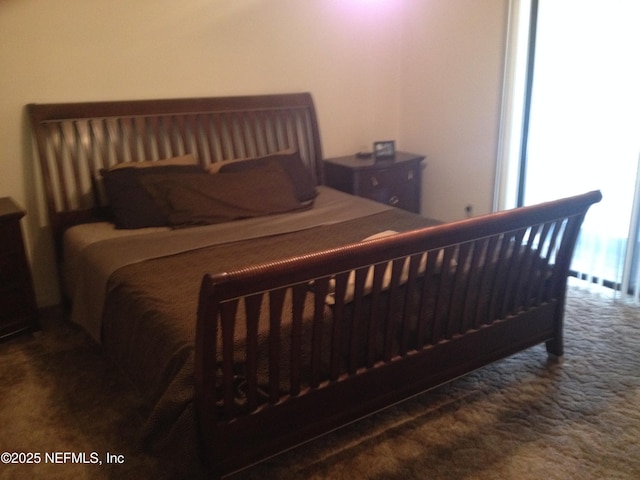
{"points": [[521, 418]]}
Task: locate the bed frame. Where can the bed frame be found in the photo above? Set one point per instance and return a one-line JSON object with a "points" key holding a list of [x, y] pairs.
{"points": [[455, 297]]}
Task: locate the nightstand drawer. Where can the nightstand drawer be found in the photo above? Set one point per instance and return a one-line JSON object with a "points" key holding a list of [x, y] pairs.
{"points": [[10, 237], [16, 306], [399, 187], [11, 271], [18, 309], [395, 181]]}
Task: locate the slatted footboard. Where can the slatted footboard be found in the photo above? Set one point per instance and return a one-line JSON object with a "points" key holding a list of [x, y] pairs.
{"points": [[290, 350]]}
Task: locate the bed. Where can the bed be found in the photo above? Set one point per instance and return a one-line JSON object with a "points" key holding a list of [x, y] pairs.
{"points": [[276, 309]]}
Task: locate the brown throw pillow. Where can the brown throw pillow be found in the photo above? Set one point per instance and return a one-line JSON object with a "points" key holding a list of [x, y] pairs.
{"points": [[200, 199], [130, 204], [301, 179]]}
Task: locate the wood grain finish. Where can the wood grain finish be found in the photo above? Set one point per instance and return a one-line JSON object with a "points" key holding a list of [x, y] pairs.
{"points": [[18, 311], [396, 182], [490, 286]]}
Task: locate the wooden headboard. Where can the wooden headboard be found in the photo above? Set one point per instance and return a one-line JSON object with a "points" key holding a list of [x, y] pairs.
{"points": [[76, 140]]}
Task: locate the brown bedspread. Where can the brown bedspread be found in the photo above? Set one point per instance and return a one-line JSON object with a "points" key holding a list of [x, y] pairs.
{"points": [[96, 261], [150, 316]]}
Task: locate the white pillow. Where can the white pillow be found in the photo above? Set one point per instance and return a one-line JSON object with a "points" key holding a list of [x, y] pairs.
{"points": [[188, 159]]}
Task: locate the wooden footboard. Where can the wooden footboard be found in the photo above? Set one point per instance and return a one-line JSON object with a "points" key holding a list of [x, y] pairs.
{"points": [[289, 350]]}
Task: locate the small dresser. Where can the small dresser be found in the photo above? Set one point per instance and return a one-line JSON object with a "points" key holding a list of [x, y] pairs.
{"points": [[396, 181], [18, 310]]}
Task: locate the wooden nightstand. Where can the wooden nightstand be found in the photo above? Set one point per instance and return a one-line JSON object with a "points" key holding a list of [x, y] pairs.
{"points": [[18, 310], [395, 181]]}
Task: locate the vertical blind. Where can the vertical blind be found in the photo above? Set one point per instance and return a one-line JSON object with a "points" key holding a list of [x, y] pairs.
{"points": [[582, 127]]}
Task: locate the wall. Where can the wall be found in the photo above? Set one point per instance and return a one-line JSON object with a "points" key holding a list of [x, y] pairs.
{"points": [[424, 72], [451, 96]]}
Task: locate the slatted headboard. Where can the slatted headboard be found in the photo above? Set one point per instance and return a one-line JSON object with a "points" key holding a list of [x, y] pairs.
{"points": [[76, 140]]}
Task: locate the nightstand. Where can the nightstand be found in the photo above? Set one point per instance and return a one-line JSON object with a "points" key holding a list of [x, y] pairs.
{"points": [[395, 181], [18, 310]]}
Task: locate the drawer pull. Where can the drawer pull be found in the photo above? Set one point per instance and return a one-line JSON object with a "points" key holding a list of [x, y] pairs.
{"points": [[374, 182], [394, 200], [410, 175]]}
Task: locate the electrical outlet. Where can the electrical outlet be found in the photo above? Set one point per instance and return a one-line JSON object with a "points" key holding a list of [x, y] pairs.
{"points": [[468, 211]]}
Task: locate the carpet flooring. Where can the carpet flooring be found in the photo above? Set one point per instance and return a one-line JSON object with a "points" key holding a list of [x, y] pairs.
{"points": [[526, 417]]}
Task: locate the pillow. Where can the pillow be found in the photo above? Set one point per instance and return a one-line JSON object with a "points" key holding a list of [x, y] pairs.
{"points": [[130, 204], [301, 179], [99, 189], [201, 198]]}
